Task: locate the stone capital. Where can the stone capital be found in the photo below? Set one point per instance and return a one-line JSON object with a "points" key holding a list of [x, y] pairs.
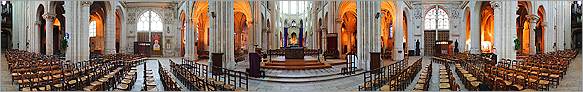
{"points": [[86, 3], [49, 16], [533, 18], [495, 4]]}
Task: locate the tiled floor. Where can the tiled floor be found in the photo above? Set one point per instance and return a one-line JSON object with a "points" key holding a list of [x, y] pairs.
{"points": [[571, 82], [6, 81]]}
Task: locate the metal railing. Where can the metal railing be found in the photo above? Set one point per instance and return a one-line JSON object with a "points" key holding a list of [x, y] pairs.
{"points": [[201, 77]]}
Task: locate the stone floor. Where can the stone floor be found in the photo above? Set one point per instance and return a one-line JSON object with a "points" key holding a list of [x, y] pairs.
{"points": [[6, 82], [571, 82]]}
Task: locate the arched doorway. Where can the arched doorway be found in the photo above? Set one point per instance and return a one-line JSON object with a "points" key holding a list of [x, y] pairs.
{"points": [[200, 15], [347, 34], [523, 28], [540, 31], [486, 28], [405, 34], [242, 23], [41, 29], [182, 30], [468, 31], [118, 29], [60, 44], [97, 21], [388, 34], [240, 36]]}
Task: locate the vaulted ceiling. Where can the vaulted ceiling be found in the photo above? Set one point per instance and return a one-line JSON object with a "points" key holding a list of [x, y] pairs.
{"points": [[161, 4]]}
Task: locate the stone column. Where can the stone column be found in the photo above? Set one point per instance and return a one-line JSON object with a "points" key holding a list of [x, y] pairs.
{"points": [[399, 51], [474, 29], [510, 14], [76, 27], [230, 33], [222, 35], [84, 30], [368, 37], [257, 22], [188, 35], [71, 51], [49, 17], [212, 30], [194, 40], [567, 23], [110, 30], [272, 27], [498, 28], [533, 19]]}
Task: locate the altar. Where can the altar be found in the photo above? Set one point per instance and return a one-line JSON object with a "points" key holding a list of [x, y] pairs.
{"points": [[294, 53]]}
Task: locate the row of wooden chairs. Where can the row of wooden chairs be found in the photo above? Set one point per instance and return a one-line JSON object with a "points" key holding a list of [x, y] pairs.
{"points": [[467, 76], [446, 79], [36, 72], [536, 72], [128, 80], [104, 82], [167, 81], [424, 78]]}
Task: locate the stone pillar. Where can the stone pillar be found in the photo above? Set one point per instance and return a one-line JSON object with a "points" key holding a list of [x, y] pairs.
{"points": [[76, 27], [110, 30], [69, 25], [399, 50], [188, 35], [193, 40], [510, 14], [222, 31], [257, 23], [474, 29], [84, 30], [272, 27], [498, 28], [368, 37], [567, 26], [212, 30], [49, 17], [533, 19]]}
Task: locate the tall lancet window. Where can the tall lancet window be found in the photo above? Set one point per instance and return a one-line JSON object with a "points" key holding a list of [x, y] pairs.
{"points": [[92, 29]]}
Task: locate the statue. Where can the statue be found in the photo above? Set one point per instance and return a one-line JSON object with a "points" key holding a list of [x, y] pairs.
{"points": [[417, 50], [456, 49]]}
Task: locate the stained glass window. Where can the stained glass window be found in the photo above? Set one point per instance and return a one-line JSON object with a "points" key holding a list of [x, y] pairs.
{"points": [[436, 17], [92, 29], [150, 22]]}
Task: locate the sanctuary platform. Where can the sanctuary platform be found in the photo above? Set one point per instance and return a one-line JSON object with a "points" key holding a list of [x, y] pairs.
{"points": [[308, 62]]}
